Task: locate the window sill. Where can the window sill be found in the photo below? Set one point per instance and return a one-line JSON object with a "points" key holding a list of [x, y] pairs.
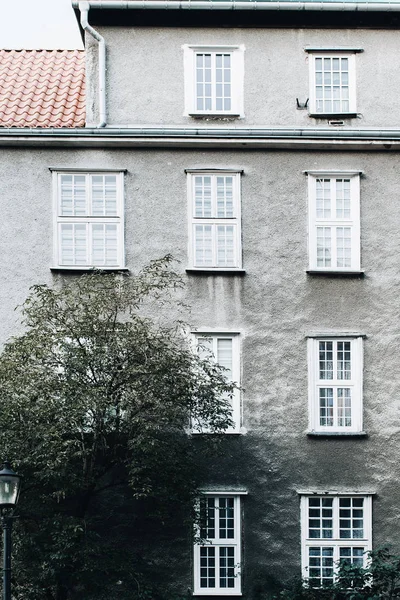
{"points": [[241, 431], [334, 273], [350, 115], [71, 269], [215, 115], [216, 594], [326, 434], [193, 271]]}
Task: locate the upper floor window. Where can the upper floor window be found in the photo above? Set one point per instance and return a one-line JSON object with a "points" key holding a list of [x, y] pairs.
{"points": [[89, 220], [335, 384], [224, 349], [213, 80], [214, 228], [332, 82], [334, 221], [334, 529], [217, 555]]}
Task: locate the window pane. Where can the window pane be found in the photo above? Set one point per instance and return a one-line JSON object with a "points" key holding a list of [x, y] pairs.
{"points": [[203, 243], [326, 407], [73, 201], [324, 244], [343, 246], [227, 567], [104, 244], [331, 80], [325, 360], [207, 567], [320, 569], [104, 195], [224, 197], [226, 518], [320, 522], [344, 360], [323, 198], [202, 196], [351, 525], [207, 518], [226, 245], [73, 244], [344, 407], [224, 355]]}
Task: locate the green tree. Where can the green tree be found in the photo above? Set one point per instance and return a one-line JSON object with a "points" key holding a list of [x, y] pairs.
{"points": [[96, 397], [379, 579]]}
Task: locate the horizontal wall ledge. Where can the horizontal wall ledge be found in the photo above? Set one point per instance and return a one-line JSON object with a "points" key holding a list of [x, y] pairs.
{"points": [[79, 270], [215, 137], [337, 434], [216, 272], [224, 491], [336, 273], [335, 492], [338, 49], [87, 170], [339, 333]]}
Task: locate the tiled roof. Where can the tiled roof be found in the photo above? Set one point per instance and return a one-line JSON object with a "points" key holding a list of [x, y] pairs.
{"points": [[42, 88]]}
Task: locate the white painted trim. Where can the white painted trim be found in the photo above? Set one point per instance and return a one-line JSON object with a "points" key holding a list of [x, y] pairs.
{"points": [[217, 543], [88, 220], [355, 384], [335, 492], [336, 334], [237, 79], [335, 542], [352, 82], [333, 49], [192, 220], [353, 222], [333, 173], [223, 492], [236, 369]]}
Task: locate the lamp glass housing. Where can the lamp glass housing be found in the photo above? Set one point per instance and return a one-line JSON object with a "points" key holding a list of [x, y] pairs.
{"points": [[10, 485]]}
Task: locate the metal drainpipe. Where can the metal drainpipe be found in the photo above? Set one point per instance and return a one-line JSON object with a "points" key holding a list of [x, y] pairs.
{"points": [[84, 10]]}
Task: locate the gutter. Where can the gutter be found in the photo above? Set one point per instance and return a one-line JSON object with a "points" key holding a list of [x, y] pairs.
{"points": [[331, 5], [238, 139], [84, 8]]}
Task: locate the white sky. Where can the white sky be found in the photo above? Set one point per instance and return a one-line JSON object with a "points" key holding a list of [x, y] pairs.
{"points": [[38, 24]]}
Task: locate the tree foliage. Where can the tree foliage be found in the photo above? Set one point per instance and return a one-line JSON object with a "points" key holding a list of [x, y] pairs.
{"points": [[96, 400], [378, 580]]}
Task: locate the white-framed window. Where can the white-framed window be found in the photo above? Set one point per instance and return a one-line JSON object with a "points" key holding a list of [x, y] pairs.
{"points": [[335, 367], [334, 221], [214, 80], [334, 529], [214, 220], [332, 83], [89, 220], [217, 555], [224, 348]]}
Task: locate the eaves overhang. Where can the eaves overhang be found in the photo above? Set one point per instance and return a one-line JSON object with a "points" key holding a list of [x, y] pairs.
{"points": [[243, 13], [318, 138]]}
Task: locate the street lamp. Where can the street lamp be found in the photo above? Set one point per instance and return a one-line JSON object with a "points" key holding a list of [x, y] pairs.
{"points": [[10, 485]]}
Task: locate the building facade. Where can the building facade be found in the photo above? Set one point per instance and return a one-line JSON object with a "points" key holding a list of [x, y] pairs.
{"points": [[258, 143]]}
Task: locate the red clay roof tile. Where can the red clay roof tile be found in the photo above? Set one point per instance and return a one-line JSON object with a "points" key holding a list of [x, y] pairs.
{"points": [[42, 88]]}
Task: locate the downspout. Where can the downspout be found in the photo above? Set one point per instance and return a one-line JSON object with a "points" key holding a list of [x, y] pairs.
{"points": [[84, 10]]}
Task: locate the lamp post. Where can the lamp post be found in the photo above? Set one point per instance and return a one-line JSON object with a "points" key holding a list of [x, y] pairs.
{"points": [[10, 485]]}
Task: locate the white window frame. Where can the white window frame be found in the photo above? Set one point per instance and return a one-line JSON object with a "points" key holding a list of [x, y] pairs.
{"points": [[355, 384], [235, 221], [219, 543], [236, 369], [88, 220], [351, 56], [335, 542], [332, 222], [237, 79]]}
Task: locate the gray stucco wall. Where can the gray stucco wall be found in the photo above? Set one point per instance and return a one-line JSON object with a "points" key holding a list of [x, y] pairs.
{"points": [[145, 75], [274, 306]]}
